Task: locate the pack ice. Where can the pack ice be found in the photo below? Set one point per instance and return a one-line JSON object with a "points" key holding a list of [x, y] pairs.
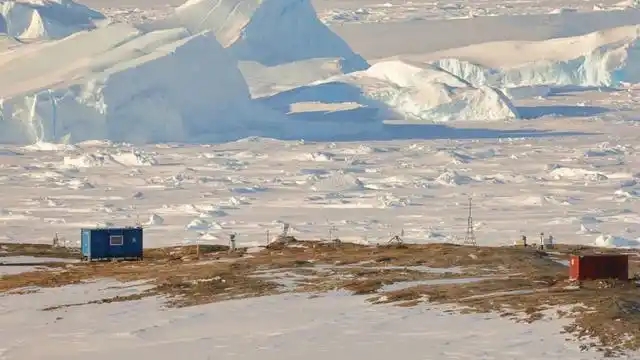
{"points": [[45, 19]]}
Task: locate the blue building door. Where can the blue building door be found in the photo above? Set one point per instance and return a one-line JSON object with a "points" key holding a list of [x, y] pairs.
{"points": [[86, 244]]}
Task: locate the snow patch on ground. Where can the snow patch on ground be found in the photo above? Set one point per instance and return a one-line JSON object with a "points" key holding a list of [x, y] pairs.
{"points": [[250, 328], [11, 265]]}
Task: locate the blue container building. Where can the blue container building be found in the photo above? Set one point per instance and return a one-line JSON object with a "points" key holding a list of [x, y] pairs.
{"points": [[111, 243]]}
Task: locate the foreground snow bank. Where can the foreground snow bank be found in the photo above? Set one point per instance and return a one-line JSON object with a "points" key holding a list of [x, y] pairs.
{"points": [[120, 84], [404, 91], [45, 19], [603, 58], [270, 32], [273, 327]]}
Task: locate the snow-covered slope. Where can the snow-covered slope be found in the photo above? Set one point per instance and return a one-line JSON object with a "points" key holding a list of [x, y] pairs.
{"points": [[266, 328], [604, 58], [404, 91], [45, 19], [270, 32], [118, 83]]}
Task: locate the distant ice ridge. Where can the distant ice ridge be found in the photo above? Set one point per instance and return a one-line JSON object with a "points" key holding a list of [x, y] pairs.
{"points": [[605, 58], [121, 84], [633, 4], [45, 19], [409, 92], [616, 241], [269, 32], [431, 94]]}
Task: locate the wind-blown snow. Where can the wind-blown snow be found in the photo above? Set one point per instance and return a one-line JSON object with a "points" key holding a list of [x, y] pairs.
{"points": [[47, 19], [270, 32]]}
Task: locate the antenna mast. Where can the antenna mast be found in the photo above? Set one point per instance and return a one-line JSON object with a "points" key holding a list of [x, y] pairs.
{"points": [[470, 237]]}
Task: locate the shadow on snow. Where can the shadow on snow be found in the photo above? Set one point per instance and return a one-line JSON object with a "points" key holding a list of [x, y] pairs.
{"points": [[366, 118], [532, 112], [441, 132]]}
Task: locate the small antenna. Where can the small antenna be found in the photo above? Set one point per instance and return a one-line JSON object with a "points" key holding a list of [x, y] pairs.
{"points": [[332, 231], [470, 237]]}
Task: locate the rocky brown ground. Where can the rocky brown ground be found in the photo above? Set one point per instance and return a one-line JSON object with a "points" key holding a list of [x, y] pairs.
{"points": [[520, 283]]}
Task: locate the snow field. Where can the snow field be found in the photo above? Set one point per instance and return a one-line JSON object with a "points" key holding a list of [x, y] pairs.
{"points": [[333, 324], [570, 187], [10, 265], [91, 105], [359, 12]]}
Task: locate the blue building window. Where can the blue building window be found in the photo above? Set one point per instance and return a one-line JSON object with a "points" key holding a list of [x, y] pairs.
{"points": [[116, 240]]}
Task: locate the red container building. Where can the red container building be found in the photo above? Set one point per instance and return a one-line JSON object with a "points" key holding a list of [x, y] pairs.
{"points": [[599, 266]]}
